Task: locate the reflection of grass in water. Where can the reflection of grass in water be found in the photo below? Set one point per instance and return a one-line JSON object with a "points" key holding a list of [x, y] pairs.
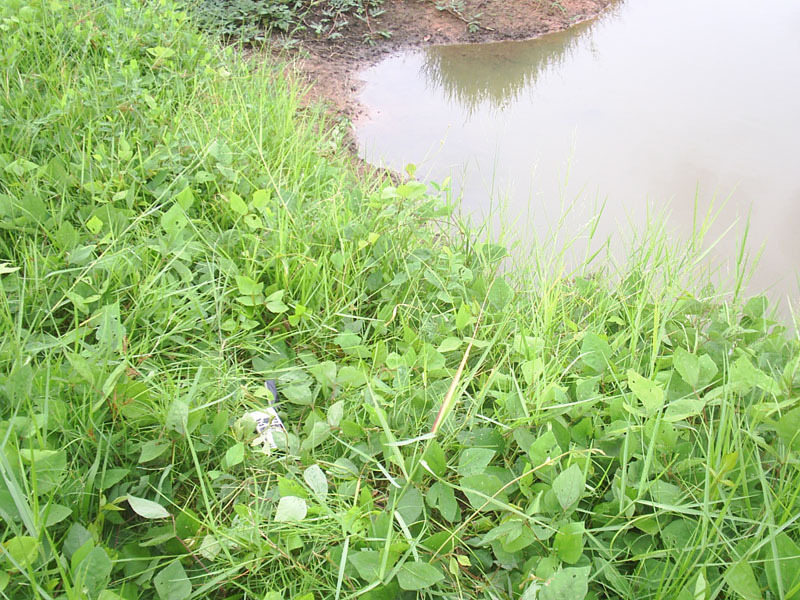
{"points": [[497, 73]]}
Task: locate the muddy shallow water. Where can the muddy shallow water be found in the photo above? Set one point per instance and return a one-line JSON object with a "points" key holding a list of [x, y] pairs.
{"points": [[656, 106]]}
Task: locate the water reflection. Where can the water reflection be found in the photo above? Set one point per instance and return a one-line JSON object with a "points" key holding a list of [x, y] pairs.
{"points": [[496, 74], [670, 107]]}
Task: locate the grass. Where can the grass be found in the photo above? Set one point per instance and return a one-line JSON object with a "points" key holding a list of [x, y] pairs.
{"points": [[175, 228]]}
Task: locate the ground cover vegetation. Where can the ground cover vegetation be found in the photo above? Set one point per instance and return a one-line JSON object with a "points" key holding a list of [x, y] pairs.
{"points": [[252, 21], [175, 230]]}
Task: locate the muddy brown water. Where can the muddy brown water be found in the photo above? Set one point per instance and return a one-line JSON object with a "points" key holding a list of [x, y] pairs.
{"points": [[657, 110]]}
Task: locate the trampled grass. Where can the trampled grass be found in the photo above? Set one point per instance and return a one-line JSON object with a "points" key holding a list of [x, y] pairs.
{"points": [[175, 229]]}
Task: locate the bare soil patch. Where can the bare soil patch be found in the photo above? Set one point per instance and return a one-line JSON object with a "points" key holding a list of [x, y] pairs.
{"points": [[331, 67]]}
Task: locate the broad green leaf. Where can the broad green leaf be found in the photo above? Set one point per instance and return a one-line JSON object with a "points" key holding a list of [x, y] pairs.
{"points": [[741, 579], [500, 294], [484, 491], [21, 166], [619, 584], [56, 513], [435, 459], [261, 199], [4, 579], [275, 303], [187, 523], [648, 392], [152, 450], [351, 377], [683, 408], [347, 340], [418, 576], [22, 550], [209, 547], [111, 477], [94, 571], [49, 467], [316, 435], [185, 198], [567, 584], [79, 302], [788, 428], [298, 393], [94, 225], [756, 307], [221, 152], [110, 330], [316, 480], [543, 450], [161, 52], [172, 583], [700, 587], [335, 413], [449, 344], [463, 316], [234, 455], [82, 367], [743, 377], [708, 370], [291, 487], [410, 505], [568, 486], [595, 352], [324, 373], [147, 508], [253, 221], [474, 461], [291, 509], [568, 542], [367, 563], [520, 539], [80, 554], [687, 365], [77, 536], [248, 286], [177, 417], [507, 532], [665, 493], [442, 497], [783, 565], [236, 203], [528, 346], [174, 220], [679, 533]]}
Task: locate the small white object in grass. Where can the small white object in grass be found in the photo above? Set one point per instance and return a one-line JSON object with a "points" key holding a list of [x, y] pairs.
{"points": [[268, 423]]}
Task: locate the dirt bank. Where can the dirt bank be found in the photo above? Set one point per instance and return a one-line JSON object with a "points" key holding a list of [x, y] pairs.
{"points": [[332, 67]]}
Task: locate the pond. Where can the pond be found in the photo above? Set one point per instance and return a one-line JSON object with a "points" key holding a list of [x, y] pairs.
{"points": [[657, 109]]}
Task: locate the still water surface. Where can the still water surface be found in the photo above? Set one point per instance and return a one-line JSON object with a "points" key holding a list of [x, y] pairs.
{"points": [[658, 105]]}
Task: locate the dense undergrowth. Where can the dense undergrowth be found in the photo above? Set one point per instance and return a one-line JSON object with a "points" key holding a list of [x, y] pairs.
{"points": [[252, 21], [175, 230]]}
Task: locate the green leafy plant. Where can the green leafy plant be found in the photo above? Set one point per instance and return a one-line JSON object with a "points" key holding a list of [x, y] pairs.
{"points": [[247, 20], [251, 21], [175, 231]]}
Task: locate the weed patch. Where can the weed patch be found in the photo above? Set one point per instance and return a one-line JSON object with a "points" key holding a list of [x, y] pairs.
{"points": [[251, 21]]}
